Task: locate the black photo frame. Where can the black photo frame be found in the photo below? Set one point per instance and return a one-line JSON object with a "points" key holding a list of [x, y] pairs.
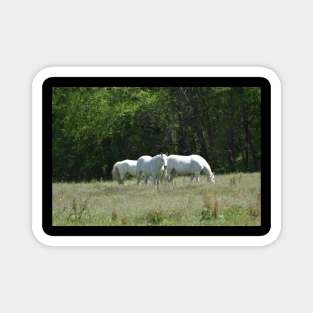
{"points": [[51, 230]]}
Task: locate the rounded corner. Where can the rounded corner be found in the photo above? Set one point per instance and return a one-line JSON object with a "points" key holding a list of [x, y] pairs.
{"points": [[270, 75], [41, 235], [42, 76], [271, 236]]}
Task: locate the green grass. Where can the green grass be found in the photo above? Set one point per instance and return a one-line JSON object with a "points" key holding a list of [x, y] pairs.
{"points": [[233, 200]]}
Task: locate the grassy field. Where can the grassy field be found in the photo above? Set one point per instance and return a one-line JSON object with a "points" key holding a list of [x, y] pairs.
{"points": [[233, 200]]}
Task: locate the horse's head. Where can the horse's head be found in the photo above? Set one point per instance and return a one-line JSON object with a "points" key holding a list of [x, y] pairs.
{"points": [[163, 158], [211, 178]]}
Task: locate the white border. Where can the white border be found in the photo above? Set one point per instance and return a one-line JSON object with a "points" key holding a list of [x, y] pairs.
{"points": [[156, 240]]}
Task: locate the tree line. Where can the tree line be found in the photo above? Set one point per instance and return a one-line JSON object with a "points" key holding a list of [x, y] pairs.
{"points": [[93, 127]]}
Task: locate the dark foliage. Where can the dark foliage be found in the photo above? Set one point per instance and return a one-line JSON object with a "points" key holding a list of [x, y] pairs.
{"points": [[95, 127]]}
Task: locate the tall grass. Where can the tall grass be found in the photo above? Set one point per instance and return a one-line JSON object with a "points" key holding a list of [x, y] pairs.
{"points": [[234, 200]]}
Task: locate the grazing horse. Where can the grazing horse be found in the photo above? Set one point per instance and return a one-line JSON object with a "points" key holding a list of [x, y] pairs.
{"points": [[121, 168], [151, 166], [188, 165]]}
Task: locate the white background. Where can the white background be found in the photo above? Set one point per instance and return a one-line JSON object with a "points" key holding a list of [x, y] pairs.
{"points": [[35, 34]]}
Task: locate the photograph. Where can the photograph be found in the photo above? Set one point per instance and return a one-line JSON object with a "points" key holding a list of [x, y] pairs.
{"points": [[156, 156]]}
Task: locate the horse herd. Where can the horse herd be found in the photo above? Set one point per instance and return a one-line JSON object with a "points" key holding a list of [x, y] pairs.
{"points": [[162, 167]]}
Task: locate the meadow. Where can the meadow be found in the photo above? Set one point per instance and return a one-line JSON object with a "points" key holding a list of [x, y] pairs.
{"points": [[233, 201]]}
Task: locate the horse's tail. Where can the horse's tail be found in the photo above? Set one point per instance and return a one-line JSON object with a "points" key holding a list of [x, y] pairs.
{"points": [[116, 173]]}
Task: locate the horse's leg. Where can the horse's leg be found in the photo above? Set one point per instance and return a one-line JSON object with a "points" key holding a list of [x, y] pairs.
{"points": [[138, 178], [120, 179], [122, 176], [172, 178], [197, 176], [146, 179], [168, 178], [157, 182]]}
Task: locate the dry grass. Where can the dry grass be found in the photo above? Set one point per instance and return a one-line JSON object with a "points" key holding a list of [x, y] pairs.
{"points": [[184, 203]]}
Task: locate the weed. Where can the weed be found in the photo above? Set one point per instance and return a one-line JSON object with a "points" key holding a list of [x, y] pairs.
{"points": [[208, 200], [76, 213], [188, 203], [124, 220], [258, 200], [206, 214], [74, 206], [240, 178], [253, 212], [232, 181], [175, 214], [155, 217], [211, 208], [215, 209], [114, 215]]}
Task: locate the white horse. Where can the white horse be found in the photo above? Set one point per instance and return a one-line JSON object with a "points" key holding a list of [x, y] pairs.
{"points": [[121, 168], [188, 165], [151, 166]]}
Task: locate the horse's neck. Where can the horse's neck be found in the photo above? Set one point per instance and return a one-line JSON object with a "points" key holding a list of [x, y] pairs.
{"points": [[207, 170]]}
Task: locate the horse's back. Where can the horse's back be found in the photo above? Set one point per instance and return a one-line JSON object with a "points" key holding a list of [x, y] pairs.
{"points": [[182, 164], [130, 166], [174, 158], [127, 163], [133, 162], [198, 157], [130, 163], [144, 159], [142, 162], [125, 166]]}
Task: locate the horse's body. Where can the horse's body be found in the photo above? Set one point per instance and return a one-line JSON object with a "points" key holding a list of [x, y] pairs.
{"points": [[151, 166], [121, 168], [188, 165]]}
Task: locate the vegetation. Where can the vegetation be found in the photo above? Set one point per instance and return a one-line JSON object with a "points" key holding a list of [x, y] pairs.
{"points": [[233, 200], [95, 127]]}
